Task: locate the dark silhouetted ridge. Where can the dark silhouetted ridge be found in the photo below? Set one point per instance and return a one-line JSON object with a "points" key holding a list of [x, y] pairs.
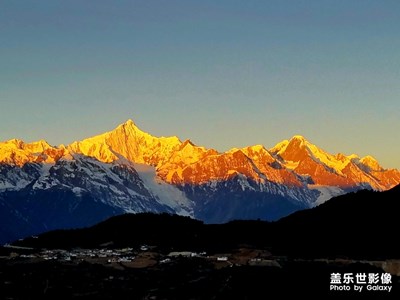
{"points": [[362, 224]]}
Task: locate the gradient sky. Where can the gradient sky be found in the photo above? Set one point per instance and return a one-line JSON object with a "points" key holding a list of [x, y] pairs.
{"points": [[222, 73]]}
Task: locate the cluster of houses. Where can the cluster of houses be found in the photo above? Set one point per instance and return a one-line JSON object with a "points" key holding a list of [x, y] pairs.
{"points": [[144, 252], [114, 255]]}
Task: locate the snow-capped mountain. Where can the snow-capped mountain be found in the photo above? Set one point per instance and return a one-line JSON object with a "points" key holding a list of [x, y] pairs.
{"points": [[44, 187], [129, 142]]}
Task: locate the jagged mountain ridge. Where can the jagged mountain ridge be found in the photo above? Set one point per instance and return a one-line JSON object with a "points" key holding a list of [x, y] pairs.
{"points": [[129, 170], [294, 162], [183, 162], [291, 162]]}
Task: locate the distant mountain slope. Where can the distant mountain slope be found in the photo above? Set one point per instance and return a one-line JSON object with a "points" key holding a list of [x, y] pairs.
{"points": [[129, 170]]}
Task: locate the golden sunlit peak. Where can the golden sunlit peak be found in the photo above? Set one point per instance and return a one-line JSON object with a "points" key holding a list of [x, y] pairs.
{"points": [[232, 150], [129, 127], [298, 138], [279, 147], [297, 141], [371, 162], [16, 142], [369, 158], [42, 142], [130, 122], [258, 147], [353, 156], [341, 157], [178, 162], [188, 142]]}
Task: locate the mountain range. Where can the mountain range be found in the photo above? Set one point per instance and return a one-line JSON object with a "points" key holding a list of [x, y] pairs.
{"points": [[44, 187]]}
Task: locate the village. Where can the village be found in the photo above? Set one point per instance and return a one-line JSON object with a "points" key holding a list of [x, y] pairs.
{"points": [[143, 269], [143, 257]]}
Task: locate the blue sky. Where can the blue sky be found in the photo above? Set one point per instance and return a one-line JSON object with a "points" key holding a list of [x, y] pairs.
{"points": [[222, 73]]}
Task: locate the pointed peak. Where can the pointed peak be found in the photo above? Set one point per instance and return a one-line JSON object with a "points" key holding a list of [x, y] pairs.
{"points": [[369, 158], [296, 149], [299, 138], [128, 127], [298, 141], [371, 162], [187, 142], [128, 123], [279, 147]]}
